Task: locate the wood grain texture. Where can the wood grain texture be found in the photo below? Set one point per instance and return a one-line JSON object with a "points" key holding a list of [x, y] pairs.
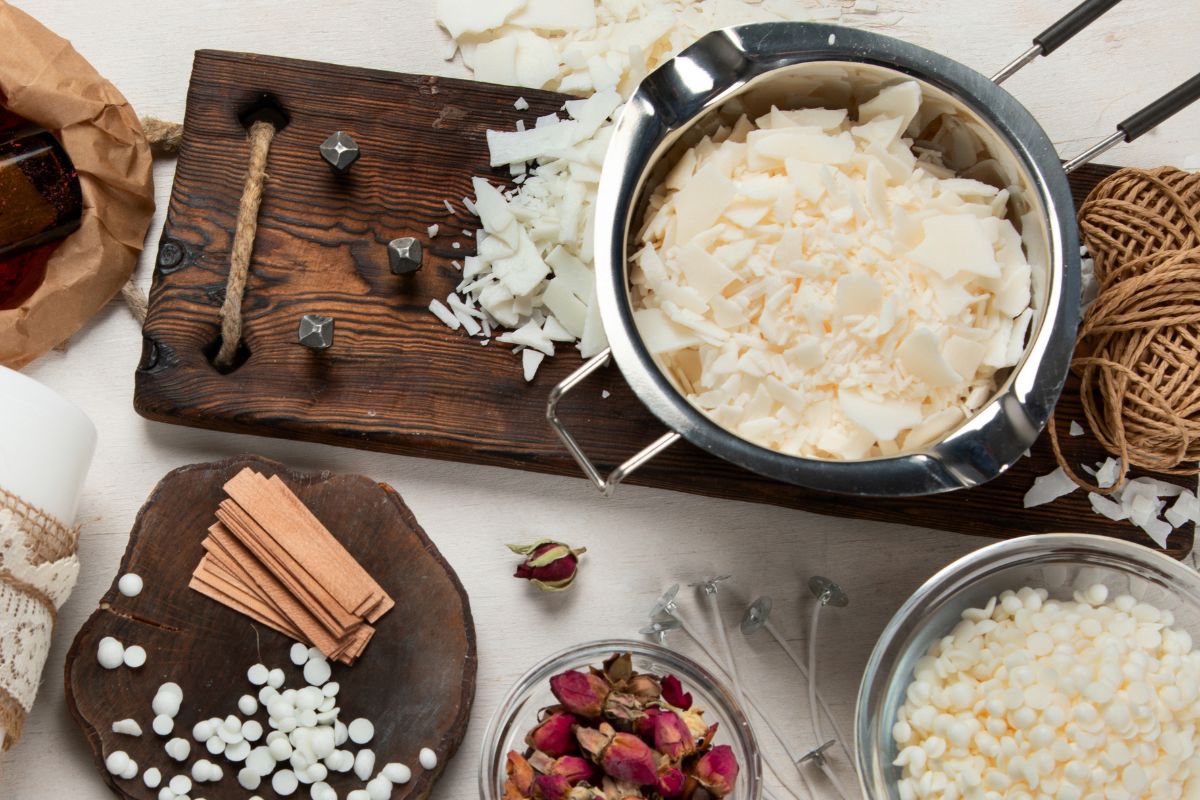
{"points": [[396, 379], [415, 681]]}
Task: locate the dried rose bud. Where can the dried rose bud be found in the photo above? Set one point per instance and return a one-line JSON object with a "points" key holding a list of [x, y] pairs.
{"points": [[707, 738], [628, 758], [618, 667], [551, 787], [673, 693], [644, 687], [670, 782], [548, 564], [520, 777], [580, 693], [593, 741], [623, 707], [573, 768], [540, 762], [717, 770], [555, 735], [671, 736]]}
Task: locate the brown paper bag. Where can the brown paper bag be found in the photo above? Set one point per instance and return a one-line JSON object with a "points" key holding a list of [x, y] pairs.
{"points": [[43, 79]]}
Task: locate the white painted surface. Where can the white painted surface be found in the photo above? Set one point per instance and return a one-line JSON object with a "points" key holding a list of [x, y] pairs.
{"points": [[642, 540]]}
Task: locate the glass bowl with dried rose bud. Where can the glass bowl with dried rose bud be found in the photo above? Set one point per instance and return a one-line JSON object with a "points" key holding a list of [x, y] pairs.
{"points": [[619, 720]]}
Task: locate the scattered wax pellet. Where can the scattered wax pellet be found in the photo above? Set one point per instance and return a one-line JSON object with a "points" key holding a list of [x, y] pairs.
{"points": [[180, 784], [130, 584], [135, 656], [317, 671], [322, 791], [298, 654], [252, 730], [248, 778], [275, 678], [165, 793], [130, 772], [166, 702], [163, 725], [360, 730], [129, 727], [358, 794], [379, 788], [110, 653], [260, 761], [247, 704], [364, 763], [428, 758], [202, 731], [215, 746], [178, 748], [316, 772], [284, 782], [237, 751], [397, 773], [331, 689], [152, 778], [258, 674]]}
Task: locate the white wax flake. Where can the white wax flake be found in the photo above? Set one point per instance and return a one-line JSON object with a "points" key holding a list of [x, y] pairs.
{"points": [[1038, 691], [128, 727], [521, 104], [1076, 428], [456, 245], [135, 656], [432, 230], [360, 730], [605, 394], [130, 584], [427, 758], [1108, 473], [110, 653], [530, 361], [1049, 487]]}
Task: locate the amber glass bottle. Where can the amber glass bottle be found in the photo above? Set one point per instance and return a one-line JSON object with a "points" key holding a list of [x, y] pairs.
{"points": [[40, 202]]}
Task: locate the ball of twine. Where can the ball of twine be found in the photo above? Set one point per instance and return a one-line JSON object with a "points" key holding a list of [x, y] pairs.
{"points": [[1138, 350]]}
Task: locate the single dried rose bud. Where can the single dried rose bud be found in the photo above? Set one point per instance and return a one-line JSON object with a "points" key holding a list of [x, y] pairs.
{"points": [[673, 693], [628, 758], [619, 706], [671, 736], [717, 770], [707, 738], [551, 787], [573, 768], [555, 735], [519, 785], [644, 687], [581, 693], [670, 782], [549, 564]]}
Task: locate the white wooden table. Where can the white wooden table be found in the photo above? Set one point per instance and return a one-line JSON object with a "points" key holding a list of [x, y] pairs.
{"points": [[642, 540]]}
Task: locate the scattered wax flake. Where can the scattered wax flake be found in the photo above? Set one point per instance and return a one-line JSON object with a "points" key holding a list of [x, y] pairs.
{"points": [[521, 105], [1076, 428], [1047, 488]]}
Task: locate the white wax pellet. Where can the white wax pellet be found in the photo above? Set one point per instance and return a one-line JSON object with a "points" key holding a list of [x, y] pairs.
{"points": [[322, 791], [180, 784], [322, 742], [258, 674], [178, 748], [281, 749], [331, 689], [128, 727], [358, 794], [249, 779], [130, 772], [299, 654], [275, 678], [284, 782], [202, 731], [428, 758], [261, 761], [286, 724], [364, 763], [266, 694], [315, 653], [214, 745], [130, 585], [247, 704], [340, 761], [166, 704], [327, 704], [397, 773], [317, 772], [379, 788], [172, 689], [252, 730], [340, 734], [307, 719], [135, 656], [360, 730], [165, 793], [200, 770], [110, 653], [163, 725], [152, 778], [237, 751], [308, 698], [317, 671]]}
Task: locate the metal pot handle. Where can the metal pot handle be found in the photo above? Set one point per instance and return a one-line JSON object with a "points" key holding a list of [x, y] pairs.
{"points": [[609, 484]]}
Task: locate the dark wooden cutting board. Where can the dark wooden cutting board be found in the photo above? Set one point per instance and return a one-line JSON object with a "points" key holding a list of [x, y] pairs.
{"points": [[397, 379], [415, 681]]}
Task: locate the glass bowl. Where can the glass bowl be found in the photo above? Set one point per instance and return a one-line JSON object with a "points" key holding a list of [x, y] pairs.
{"points": [[518, 712], [1057, 562]]}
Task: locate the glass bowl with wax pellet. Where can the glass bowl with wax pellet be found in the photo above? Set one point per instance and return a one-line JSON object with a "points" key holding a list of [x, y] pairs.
{"points": [[619, 718], [1060, 665]]}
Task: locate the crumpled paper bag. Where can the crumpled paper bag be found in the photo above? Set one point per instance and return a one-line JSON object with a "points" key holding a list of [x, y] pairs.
{"points": [[43, 79]]}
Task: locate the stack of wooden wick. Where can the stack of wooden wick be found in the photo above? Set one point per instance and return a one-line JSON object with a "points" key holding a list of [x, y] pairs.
{"points": [[269, 558]]}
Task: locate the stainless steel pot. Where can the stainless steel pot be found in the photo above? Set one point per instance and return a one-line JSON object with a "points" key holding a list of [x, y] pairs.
{"points": [[787, 63]]}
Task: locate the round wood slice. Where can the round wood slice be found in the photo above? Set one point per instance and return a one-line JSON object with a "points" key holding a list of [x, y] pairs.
{"points": [[415, 681]]}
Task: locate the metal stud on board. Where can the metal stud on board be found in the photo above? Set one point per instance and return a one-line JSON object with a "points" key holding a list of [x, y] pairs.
{"points": [[316, 331], [340, 150]]}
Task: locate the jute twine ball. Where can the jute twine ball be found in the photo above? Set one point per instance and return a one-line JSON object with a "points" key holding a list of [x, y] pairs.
{"points": [[1138, 350]]}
